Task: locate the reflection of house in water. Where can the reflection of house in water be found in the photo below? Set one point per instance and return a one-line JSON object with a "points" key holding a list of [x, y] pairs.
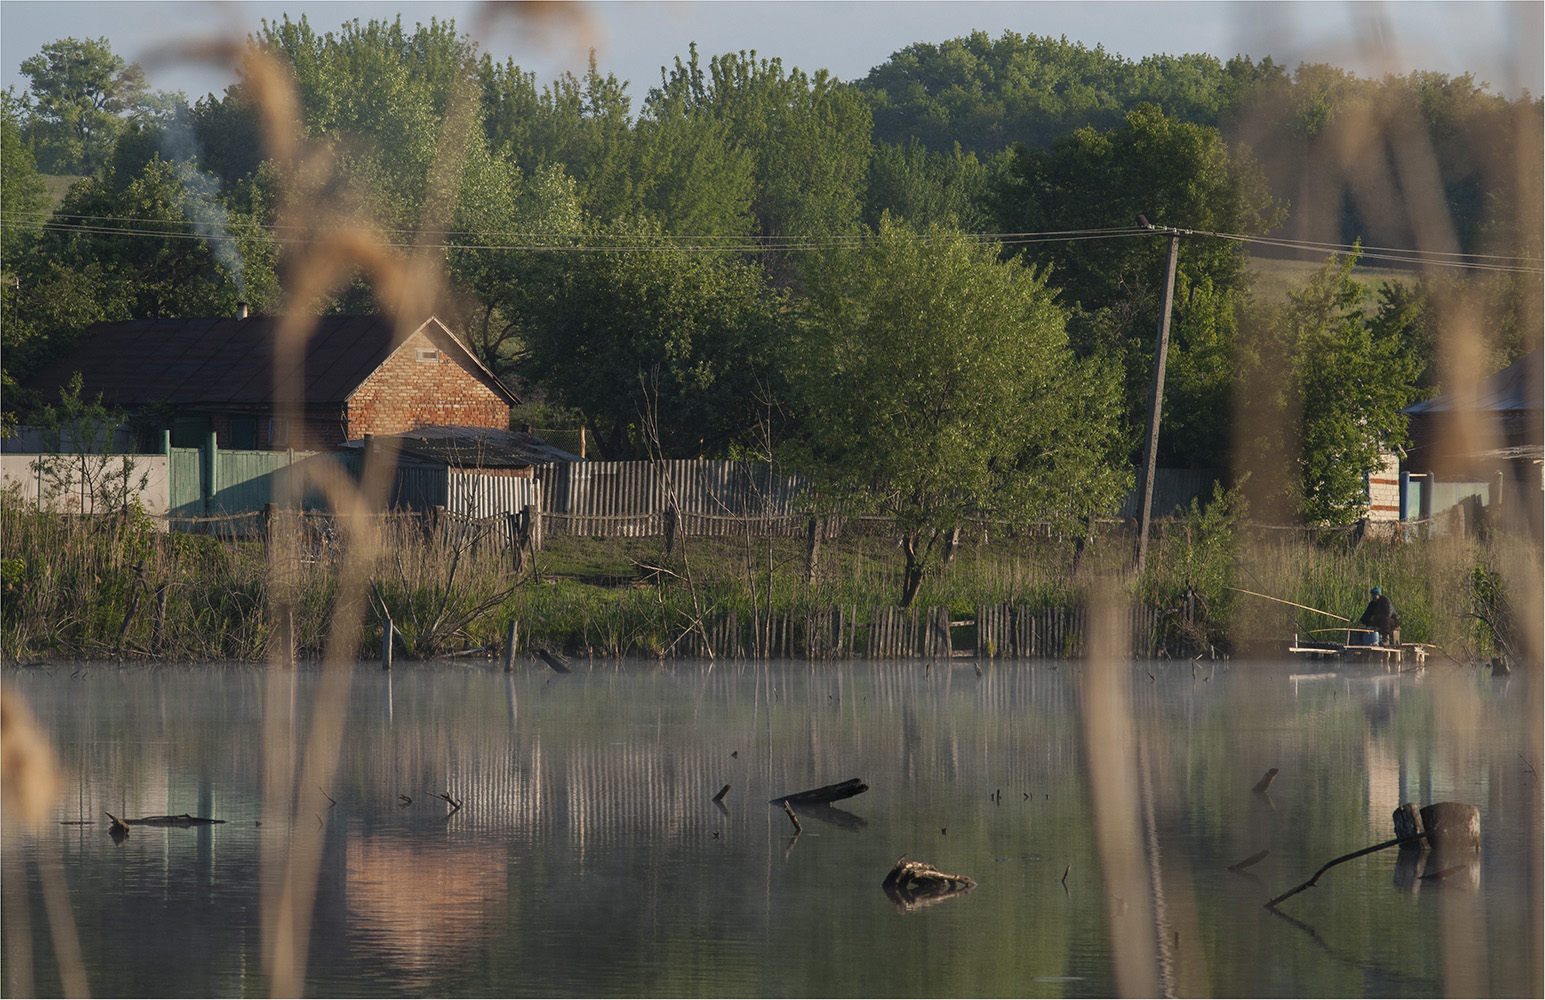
{"points": [[421, 903]]}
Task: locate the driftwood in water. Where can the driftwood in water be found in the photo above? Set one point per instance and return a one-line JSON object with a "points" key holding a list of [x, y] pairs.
{"points": [[828, 793], [1255, 858], [912, 884], [1449, 826], [921, 876], [552, 659], [182, 821], [1271, 904], [119, 828], [1265, 782]]}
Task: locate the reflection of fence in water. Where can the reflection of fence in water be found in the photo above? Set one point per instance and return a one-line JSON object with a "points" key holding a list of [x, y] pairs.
{"points": [[560, 779]]}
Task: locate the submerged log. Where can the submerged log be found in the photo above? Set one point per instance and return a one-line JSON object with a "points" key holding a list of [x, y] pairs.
{"points": [[554, 660], [182, 821], [1255, 858], [827, 793]]}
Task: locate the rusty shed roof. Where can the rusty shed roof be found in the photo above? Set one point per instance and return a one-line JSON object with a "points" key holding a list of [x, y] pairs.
{"points": [[229, 361]]}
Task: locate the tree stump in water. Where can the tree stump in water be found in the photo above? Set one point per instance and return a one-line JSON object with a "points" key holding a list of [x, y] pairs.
{"points": [[1447, 825]]}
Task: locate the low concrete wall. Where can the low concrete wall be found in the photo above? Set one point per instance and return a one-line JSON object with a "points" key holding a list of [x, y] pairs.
{"points": [[21, 470]]}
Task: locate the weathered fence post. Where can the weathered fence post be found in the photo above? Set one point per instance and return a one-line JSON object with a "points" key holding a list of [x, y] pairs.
{"points": [[533, 518]]}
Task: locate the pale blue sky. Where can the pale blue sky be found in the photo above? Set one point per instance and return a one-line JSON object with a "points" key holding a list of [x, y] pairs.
{"points": [[1501, 43]]}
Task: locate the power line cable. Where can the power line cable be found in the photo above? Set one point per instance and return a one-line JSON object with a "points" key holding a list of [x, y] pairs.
{"points": [[522, 241]]}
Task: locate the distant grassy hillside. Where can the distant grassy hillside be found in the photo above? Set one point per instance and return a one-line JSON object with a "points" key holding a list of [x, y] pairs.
{"points": [[58, 186], [1275, 278]]}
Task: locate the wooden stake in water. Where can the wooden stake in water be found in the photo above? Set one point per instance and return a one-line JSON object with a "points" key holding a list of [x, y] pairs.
{"points": [[511, 634], [386, 643]]}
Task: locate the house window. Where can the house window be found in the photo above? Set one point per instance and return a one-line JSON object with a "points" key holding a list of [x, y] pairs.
{"points": [[278, 431], [244, 433], [427, 354]]}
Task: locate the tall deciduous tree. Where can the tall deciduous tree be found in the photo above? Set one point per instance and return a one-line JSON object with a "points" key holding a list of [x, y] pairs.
{"points": [[649, 340], [933, 383], [1174, 174], [517, 237], [1342, 372], [911, 182], [988, 93], [82, 98], [379, 95], [23, 195], [23, 207], [581, 124], [143, 250]]}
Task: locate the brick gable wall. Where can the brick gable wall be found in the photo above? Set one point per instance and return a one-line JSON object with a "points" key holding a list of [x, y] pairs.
{"points": [[405, 393]]}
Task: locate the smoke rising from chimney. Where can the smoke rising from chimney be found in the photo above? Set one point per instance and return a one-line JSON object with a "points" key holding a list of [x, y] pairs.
{"points": [[200, 202]]}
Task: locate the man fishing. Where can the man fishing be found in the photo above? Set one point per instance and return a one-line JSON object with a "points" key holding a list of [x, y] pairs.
{"points": [[1381, 615]]}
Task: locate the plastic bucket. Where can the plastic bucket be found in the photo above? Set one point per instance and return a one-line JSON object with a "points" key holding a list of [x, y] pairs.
{"points": [[1363, 637]]}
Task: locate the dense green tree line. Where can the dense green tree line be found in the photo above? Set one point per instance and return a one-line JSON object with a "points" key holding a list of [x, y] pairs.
{"points": [[685, 277]]}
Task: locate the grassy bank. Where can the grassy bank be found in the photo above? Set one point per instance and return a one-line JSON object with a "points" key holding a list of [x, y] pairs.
{"points": [[120, 586]]}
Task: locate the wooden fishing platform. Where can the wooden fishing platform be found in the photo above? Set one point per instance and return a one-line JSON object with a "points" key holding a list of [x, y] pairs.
{"points": [[1358, 651]]}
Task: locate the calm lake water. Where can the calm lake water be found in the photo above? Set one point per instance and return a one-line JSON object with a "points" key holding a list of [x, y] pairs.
{"points": [[589, 858]]}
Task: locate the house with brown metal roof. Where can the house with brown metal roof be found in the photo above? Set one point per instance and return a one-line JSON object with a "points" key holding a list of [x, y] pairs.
{"points": [[358, 375], [1475, 433]]}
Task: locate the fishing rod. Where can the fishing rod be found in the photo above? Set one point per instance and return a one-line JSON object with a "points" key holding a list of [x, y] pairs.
{"points": [[1328, 614]]}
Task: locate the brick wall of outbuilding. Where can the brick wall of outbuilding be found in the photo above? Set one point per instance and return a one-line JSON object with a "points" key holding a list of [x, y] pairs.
{"points": [[406, 392]]}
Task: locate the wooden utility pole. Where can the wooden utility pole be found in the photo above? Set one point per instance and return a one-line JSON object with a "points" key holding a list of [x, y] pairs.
{"points": [[1156, 400]]}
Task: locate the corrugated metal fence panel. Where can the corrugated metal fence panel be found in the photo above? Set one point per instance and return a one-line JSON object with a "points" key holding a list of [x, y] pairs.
{"points": [[1173, 491], [420, 488], [480, 495]]}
